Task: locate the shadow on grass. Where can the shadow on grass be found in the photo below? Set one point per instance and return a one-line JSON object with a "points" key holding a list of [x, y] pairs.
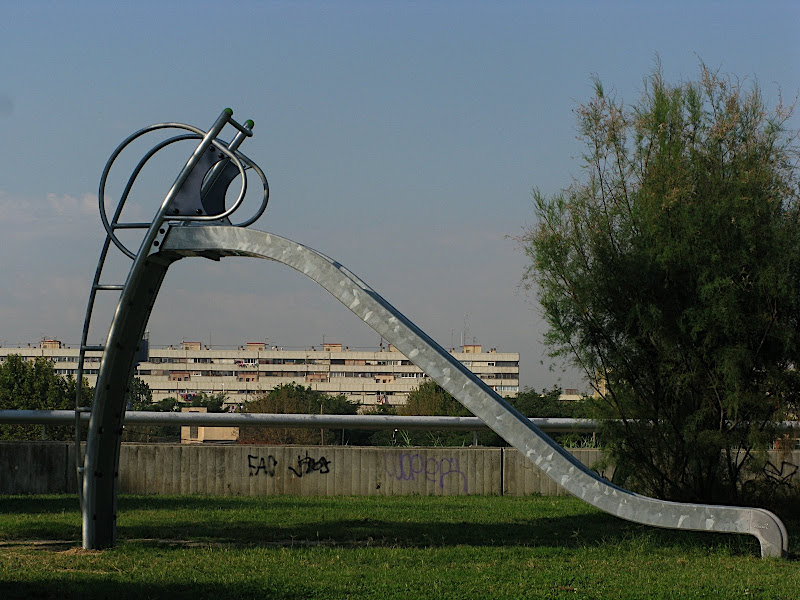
{"points": [[59, 588], [374, 521]]}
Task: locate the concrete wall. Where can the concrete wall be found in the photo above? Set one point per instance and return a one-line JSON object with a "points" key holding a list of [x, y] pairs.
{"points": [[37, 468], [522, 478], [309, 471], [47, 467]]}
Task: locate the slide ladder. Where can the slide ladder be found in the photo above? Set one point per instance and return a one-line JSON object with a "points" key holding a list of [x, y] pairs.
{"points": [[197, 196], [176, 241]]}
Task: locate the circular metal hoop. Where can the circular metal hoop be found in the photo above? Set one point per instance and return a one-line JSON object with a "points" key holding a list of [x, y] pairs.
{"points": [[241, 161]]}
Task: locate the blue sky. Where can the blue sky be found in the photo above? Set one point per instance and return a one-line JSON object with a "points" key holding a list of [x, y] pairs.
{"points": [[401, 138]]}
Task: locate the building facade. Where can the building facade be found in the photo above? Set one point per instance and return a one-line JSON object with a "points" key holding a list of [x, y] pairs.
{"points": [[373, 376]]}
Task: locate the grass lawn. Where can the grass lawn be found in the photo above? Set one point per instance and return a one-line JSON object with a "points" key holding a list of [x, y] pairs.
{"points": [[283, 547]]}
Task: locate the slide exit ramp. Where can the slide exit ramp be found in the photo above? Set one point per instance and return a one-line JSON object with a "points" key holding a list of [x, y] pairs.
{"points": [[170, 240]]}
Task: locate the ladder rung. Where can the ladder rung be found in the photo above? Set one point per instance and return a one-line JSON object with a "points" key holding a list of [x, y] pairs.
{"points": [[99, 348], [109, 287], [130, 225]]}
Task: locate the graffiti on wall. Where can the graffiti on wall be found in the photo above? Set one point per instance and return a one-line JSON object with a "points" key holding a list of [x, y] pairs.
{"points": [[309, 465], [258, 464], [405, 466]]}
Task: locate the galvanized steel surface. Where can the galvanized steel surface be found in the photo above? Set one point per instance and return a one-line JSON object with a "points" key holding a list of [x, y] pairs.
{"points": [[483, 402], [99, 472]]}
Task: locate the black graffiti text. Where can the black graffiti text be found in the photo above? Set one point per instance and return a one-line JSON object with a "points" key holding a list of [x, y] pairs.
{"points": [[259, 464], [309, 465]]}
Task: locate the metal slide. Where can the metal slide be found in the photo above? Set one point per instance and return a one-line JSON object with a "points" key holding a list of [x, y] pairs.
{"points": [[172, 240]]}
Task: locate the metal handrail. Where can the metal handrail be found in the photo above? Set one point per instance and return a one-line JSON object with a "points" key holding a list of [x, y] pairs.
{"points": [[312, 421], [207, 139], [231, 153]]}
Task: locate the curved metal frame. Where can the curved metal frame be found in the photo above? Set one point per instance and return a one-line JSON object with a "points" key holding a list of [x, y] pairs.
{"points": [[164, 245], [230, 151], [98, 472]]}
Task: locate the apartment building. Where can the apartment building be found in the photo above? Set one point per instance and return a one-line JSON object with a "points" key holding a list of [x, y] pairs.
{"points": [[369, 376]]}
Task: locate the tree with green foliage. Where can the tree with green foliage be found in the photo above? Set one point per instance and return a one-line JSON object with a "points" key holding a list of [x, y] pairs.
{"points": [[670, 273], [141, 398], [430, 399], [292, 398], [35, 385], [547, 404], [213, 403]]}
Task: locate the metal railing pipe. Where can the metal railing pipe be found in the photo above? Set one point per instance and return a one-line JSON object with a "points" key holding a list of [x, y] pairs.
{"points": [[58, 417], [269, 420]]}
